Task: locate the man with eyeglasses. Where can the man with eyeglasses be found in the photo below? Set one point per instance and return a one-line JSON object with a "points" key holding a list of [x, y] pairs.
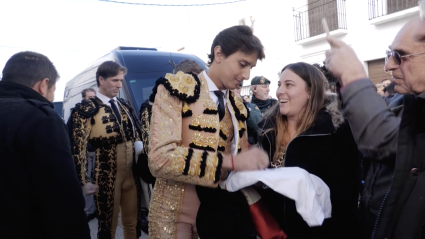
{"points": [[393, 200]]}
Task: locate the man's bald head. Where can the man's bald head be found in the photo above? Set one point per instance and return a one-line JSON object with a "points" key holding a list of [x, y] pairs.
{"points": [[409, 75], [419, 31], [405, 36], [408, 27]]}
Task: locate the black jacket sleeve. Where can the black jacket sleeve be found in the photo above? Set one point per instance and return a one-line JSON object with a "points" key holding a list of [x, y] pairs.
{"points": [[69, 127], [142, 167], [55, 188], [373, 124]]}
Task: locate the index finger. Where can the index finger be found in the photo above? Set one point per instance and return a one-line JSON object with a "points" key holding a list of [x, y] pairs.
{"points": [[335, 43], [332, 41], [325, 27]]}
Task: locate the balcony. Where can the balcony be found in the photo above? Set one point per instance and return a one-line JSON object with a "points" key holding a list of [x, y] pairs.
{"points": [[381, 11], [308, 20]]}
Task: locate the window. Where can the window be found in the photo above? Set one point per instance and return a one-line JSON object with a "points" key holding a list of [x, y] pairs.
{"points": [[141, 84], [308, 19], [379, 8], [376, 71]]}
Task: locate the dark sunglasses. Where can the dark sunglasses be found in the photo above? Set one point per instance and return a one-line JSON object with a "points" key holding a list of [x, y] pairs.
{"points": [[397, 57]]}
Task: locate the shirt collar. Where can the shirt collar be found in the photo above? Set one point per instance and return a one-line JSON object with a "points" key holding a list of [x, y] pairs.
{"points": [[211, 85], [104, 98]]}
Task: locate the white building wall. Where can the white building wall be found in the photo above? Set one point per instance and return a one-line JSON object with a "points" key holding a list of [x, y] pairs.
{"points": [[246, 90], [369, 41], [275, 27]]}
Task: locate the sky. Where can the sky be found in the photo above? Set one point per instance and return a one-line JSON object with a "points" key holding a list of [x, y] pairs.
{"points": [[74, 33]]}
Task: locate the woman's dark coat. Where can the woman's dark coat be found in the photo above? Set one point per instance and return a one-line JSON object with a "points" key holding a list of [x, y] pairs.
{"points": [[327, 150]]}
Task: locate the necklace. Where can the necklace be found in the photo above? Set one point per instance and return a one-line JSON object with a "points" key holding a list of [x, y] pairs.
{"points": [[279, 162]]}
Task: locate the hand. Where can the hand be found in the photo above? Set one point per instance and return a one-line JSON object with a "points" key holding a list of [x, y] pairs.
{"points": [[343, 63], [252, 159], [138, 149], [90, 188]]}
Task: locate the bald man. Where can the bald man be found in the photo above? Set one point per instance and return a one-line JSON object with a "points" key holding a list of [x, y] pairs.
{"points": [[393, 200]]}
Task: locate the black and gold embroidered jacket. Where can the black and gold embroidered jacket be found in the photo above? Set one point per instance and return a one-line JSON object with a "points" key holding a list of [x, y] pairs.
{"points": [[95, 123]]}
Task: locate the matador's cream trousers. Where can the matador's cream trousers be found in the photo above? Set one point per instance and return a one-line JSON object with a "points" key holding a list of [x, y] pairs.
{"points": [[125, 192]]}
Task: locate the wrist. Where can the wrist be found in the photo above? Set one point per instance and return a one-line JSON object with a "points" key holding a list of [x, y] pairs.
{"points": [[349, 78], [227, 163]]}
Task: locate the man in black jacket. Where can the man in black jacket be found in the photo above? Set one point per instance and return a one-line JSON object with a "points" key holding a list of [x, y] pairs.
{"points": [[254, 118], [40, 194], [260, 87], [392, 204], [90, 208]]}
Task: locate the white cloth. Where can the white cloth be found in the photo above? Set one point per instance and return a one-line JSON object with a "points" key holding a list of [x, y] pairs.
{"points": [[310, 193]]}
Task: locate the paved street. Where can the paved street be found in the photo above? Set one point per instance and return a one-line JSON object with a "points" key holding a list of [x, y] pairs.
{"points": [[118, 235]]}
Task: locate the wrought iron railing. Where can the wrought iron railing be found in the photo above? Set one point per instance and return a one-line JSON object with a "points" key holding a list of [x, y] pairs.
{"points": [[308, 19], [379, 8]]}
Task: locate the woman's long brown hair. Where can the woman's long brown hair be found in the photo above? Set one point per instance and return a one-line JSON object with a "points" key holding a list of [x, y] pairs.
{"points": [[315, 86]]}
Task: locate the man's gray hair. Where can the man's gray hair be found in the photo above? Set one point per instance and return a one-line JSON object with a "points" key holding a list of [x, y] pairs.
{"points": [[83, 93], [188, 66]]}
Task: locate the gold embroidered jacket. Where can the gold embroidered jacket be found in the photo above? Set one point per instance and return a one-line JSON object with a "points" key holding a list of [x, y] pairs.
{"points": [[187, 142], [95, 123]]}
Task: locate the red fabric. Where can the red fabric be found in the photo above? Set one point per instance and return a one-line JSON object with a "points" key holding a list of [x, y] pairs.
{"points": [[233, 164], [265, 225]]}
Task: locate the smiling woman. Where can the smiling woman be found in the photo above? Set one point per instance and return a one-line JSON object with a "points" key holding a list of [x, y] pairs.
{"points": [[307, 130], [301, 95]]}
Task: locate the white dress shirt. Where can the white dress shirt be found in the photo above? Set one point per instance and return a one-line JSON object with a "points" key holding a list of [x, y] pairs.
{"points": [[211, 88], [106, 99]]}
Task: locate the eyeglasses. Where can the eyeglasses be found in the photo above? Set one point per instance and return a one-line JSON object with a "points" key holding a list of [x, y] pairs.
{"points": [[397, 57]]}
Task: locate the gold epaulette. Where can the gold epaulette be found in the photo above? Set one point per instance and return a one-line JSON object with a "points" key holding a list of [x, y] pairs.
{"points": [[186, 87], [87, 108]]}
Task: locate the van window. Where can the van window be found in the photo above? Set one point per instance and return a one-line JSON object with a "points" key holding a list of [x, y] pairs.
{"points": [[141, 85], [121, 94], [57, 106]]}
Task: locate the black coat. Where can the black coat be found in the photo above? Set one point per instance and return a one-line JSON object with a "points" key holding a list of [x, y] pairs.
{"points": [[142, 167], [331, 154], [40, 195], [402, 213], [254, 118]]}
